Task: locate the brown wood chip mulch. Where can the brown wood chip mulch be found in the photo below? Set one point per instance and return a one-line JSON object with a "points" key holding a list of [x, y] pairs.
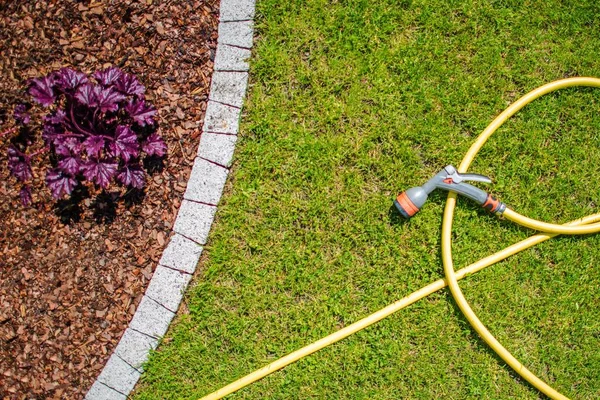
{"points": [[71, 278]]}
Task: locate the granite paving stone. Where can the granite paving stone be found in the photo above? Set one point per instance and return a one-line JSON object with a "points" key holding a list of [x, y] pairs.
{"points": [[167, 287], [119, 375], [100, 391], [206, 182], [134, 348], [218, 148], [194, 220], [236, 33], [181, 253], [151, 318], [229, 87], [231, 58], [221, 118], [237, 10]]}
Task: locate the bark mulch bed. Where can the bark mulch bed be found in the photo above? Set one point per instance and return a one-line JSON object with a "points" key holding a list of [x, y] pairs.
{"points": [[72, 276]]}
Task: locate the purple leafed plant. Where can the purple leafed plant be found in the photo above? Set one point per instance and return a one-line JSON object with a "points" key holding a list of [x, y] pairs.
{"points": [[96, 129]]}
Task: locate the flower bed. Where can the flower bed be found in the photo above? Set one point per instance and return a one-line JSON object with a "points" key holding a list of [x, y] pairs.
{"points": [[72, 273]]}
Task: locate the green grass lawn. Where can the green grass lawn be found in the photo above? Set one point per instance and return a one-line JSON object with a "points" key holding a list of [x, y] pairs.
{"points": [[350, 102]]}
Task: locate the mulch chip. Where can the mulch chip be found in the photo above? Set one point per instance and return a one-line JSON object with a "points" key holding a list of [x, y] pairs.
{"points": [[72, 276]]}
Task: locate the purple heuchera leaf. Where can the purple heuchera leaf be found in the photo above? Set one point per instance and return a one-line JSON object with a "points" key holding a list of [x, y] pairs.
{"points": [[69, 150], [73, 144], [57, 117], [67, 146], [96, 96], [126, 143], [19, 164], [41, 90], [130, 85], [52, 133], [62, 150], [94, 145], [60, 183], [68, 79], [141, 112], [25, 195], [100, 171], [87, 94], [108, 76], [108, 99], [132, 175], [20, 114], [154, 145], [70, 165]]}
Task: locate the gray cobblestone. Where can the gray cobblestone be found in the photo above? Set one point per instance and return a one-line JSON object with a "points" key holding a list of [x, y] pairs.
{"points": [[217, 148], [119, 375], [236, 33], [231, 58], [235, 10], [99, 391], [167, 287], [151, 318], [206, 182], [221, 118], [182, 254], [194, 220], [229, 87], [134, 347]]}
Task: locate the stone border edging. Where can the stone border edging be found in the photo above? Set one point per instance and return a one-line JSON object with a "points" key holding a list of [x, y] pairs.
{"points": [[197, 210]]}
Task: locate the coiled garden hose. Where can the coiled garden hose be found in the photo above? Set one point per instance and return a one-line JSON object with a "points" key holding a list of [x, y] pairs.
{"points": [[409, 203]]}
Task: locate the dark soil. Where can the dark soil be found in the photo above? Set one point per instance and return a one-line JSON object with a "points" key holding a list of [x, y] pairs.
{"points": [[72, 274]]}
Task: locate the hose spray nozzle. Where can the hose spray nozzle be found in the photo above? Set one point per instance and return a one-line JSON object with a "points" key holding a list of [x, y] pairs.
{"points": [[410, 201]]}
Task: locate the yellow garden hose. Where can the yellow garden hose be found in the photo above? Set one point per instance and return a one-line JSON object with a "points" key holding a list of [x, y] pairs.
{"points": [[511, 215], [589, 224]]}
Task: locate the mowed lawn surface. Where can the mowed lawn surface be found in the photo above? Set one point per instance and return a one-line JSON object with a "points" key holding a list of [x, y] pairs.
{"points": [[350, 102]]}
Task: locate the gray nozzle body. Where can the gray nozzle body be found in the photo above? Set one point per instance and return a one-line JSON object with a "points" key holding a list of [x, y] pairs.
{"points": [[417, 195], [411, 201]]}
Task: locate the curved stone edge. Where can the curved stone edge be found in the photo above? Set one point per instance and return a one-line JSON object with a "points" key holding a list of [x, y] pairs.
{"points": [[198, 207]]}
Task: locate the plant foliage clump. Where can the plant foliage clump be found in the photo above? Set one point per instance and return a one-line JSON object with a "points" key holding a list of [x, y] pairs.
{"points": [[96, 129]]}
